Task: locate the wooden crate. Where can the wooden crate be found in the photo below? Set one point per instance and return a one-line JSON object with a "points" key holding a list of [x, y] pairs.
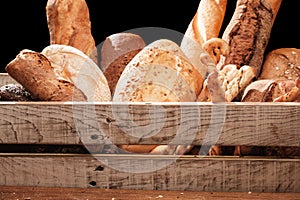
{"points": [[94, 124]]}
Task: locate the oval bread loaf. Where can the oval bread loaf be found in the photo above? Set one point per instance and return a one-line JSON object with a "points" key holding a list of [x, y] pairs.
{"points": [[74, 66]]}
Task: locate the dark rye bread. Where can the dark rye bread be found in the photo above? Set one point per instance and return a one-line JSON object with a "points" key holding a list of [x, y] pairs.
{"points": [[115, 69], [35, 73], [117, 51], [248, 34], [14, 92]]}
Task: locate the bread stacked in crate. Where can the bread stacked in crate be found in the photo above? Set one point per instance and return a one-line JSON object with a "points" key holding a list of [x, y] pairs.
{"points": [[204, 69]]}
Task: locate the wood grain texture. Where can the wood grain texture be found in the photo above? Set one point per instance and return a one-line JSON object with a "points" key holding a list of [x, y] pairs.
{"points": [[181, 174], [262, 124], [41, 193], [6, 79]]}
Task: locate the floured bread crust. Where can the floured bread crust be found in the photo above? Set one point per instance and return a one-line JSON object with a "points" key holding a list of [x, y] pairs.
{"points": [[159, 73], [74, 66]]}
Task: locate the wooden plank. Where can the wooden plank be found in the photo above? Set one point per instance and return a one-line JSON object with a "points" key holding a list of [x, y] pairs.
{"points": [[256, 124], [6, 79], [8, 193], [138, 172]]}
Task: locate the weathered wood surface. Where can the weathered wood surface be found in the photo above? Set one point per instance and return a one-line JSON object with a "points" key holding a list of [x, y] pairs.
{"points": [[261, 124], [151, 173], [6, 79], [41, 193]]}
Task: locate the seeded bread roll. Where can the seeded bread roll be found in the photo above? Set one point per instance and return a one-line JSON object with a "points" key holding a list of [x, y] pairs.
{"points": [[159, 73], [117, 51], [282, 63]]}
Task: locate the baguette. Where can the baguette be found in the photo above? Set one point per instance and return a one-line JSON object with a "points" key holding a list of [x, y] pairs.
{"points": [[69, 24], [248, 34], [205, 25]]}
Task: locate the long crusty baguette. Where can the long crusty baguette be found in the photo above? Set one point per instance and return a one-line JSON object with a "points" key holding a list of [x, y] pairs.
{"points": [[275, 5], [248, 34], [205, 25], [69, 24]]}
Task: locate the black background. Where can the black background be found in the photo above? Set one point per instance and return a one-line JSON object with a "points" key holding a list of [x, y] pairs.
{"points": [[24, 25]]}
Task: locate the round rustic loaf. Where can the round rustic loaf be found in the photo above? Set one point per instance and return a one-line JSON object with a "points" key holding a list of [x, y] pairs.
{"points": [[282, 63], [159, 73], [72, 65]]}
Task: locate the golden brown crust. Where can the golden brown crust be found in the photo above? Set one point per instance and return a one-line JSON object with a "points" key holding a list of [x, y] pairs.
{"points": [[205, 25], [73, 65], [69, 24], [275, 5], [208, 19], [282, 63], [36, 74]]}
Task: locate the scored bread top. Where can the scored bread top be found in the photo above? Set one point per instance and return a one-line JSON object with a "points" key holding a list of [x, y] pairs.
{"points": [[160, 72]]}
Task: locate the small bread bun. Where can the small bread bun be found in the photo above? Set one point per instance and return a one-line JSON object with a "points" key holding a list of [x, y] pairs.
{"points": [[116, 52], [282, 63], [74, 66]]}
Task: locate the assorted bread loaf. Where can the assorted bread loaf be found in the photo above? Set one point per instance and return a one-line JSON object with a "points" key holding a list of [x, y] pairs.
{"points": [[203, 68]]}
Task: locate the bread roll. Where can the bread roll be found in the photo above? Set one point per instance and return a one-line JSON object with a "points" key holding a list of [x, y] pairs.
{"points": [[282, 63], [76, 67], [36, 74], [69, 24], [116, 52]]}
